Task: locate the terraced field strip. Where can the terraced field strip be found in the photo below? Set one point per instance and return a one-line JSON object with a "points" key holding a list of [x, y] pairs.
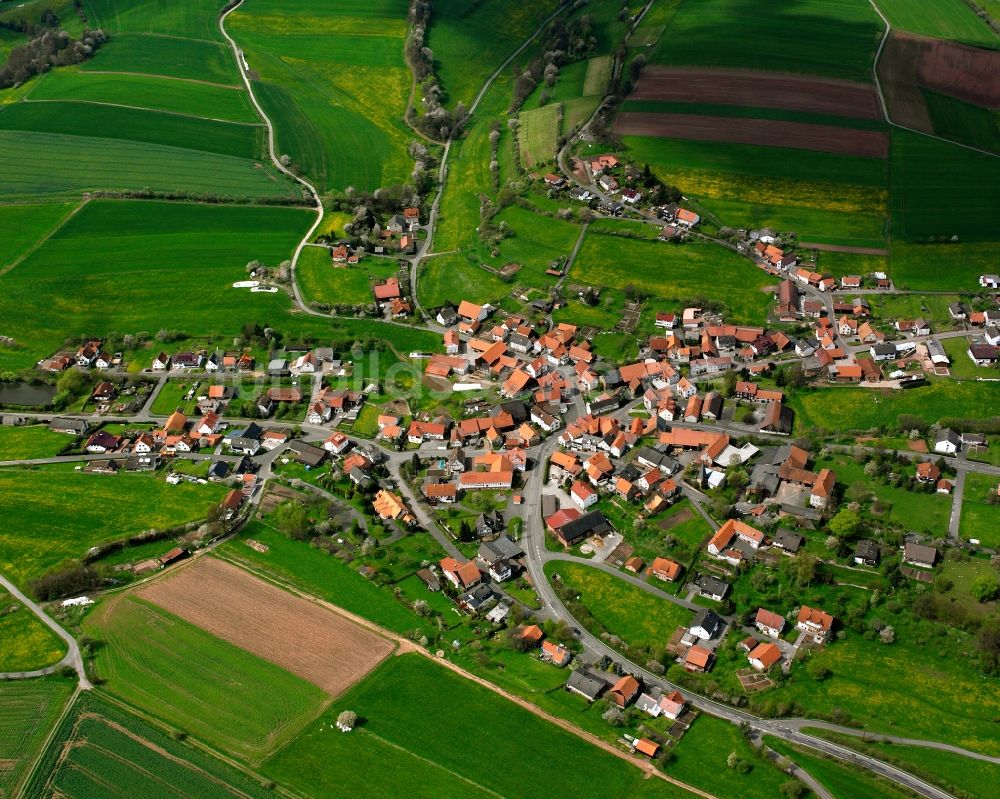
{"points": [[286, 630], [768, 133], [753, 88]]}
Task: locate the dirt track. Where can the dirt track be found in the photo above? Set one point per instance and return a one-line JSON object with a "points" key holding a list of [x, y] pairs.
{"points": [[759, 89], [286, 630], [822, 138]]}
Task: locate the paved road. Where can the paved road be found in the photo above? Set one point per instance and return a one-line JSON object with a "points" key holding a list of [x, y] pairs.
{"points": [[72, 658], [955, 520]]}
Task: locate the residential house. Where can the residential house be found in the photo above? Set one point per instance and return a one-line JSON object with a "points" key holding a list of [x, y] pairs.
{"points": [[698, 659], [919, 555], [948, 442], [624, 691], [763, 656], [665, 569], [712, 587], [867, 553], [586, 684], [817, 623], [706, 624]]}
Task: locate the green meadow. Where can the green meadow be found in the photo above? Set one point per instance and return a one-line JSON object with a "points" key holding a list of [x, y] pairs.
{"points": [[980, 510], [964, 122], [146, 660], [944, 19], [470, 40], [77, 511], [143, 91], [30, 708], [31, 441], [941, 267], [25, 225], [452, 278], [134, 266], [334, 81], [321, 280], [408, 744], [836, 38], [676, 272], [634, 615], [168, 56], [193, 19], [25, 642], [538, 133]]}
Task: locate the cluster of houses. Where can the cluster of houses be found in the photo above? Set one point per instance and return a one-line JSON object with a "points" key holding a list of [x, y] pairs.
{"points": [[498, 560], [89, 355]]}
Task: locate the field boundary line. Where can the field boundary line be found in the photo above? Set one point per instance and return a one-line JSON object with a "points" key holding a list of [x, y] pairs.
{"points": [[38, 244], [143, 108], [885, 107], [240, 62], [430, 762], [234, 86], [407, 646]]}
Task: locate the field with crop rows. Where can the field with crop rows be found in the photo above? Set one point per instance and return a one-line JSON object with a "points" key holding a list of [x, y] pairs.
{"points": [[133, 266], [29, 710], [25, 225], [103, 750], [669, 272], [333, 79], [964, 122], [819, 37], [409, 746], [146, 661], [77, 511], [25, 642]]}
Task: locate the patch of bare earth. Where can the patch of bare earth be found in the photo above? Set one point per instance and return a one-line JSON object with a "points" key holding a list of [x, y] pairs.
{"points": [[759, 90], [289, 631], [764, 132], [968, 73], [844, 248], [897, 72]]}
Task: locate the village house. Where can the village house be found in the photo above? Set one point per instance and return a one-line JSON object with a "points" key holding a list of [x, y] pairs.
{"points": [[763, 656], [815, 623], [769, 623]]}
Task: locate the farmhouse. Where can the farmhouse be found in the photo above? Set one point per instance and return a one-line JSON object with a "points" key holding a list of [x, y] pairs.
{"points": [[390, 506], [586, 684]]}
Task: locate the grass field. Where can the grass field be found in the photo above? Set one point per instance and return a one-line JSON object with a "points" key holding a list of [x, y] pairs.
{"points": [[195, 19], [849, 408], [195, 99], [469, 41], [103, 750], [843, 781], [932, 307], [321, 280], [25, 643], [451, 278], [637, 617], [90, 163], [30, 708], [538, 133], [120, 265], [980, 519], [598, 71], [820, 196], [816, 37], [77, 511], [167, 55], [30, 441], [670, 272], [964, 122], [406, 745], [951, 771], [940, 267], [839, 264], [145, 659], [334, 81], [24, 225], [940, 190], [943, 19], [701, 759]]}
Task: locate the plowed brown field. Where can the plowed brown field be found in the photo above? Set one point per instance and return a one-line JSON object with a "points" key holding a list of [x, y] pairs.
{"points": [[759, 89], [770, 133], [291, 632]]}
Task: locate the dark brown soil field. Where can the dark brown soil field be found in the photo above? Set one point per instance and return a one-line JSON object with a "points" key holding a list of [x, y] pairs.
{"points": [[760, 90], [897, 72], [968, 73], [844, 248], [291, 632], [769, 133]]}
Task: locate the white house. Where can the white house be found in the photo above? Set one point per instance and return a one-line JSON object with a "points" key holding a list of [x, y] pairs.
{"points": [[947, 443]]}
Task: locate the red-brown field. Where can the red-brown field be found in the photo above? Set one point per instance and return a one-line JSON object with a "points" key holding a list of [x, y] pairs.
{"points": [[300, 636], [759, 89], [770, 133], [968, 73]]}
